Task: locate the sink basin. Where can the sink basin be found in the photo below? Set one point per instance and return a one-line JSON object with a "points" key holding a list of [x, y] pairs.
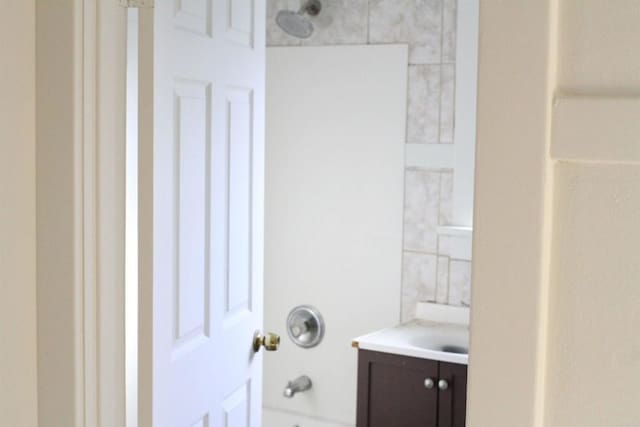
{"points": [[439, 332], [455, 349], [446, 340]]}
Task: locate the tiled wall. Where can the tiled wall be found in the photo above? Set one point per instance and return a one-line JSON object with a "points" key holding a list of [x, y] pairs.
{"points": [[433, 267]]}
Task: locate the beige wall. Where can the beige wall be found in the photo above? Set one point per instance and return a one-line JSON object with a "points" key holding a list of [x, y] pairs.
{"points": [[594, 308], [555, 304], [18, 398], [57, 236], [594, 349], [509, 226]]}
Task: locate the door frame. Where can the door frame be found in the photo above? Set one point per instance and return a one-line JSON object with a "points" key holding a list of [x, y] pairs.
{"points": [[512, 213], [80, 206], [102, 192]]}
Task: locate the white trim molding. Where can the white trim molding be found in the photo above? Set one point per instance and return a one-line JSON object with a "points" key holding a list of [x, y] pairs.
{"points": [[467, 35], [137, 4], [582, 122], [512, 222], [429, 156], [103, 192]]}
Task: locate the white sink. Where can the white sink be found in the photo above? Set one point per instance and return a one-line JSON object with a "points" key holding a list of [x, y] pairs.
{"points": [[448, 340], [426, 339]]}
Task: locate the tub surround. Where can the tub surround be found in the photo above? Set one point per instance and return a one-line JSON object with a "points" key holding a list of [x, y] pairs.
{"points": [[432, 270], [331, 234], [279, 418], [438, 333]]}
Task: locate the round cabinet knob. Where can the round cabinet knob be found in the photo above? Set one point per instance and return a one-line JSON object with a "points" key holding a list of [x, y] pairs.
{"points": [[443, 384], [428, 383]]}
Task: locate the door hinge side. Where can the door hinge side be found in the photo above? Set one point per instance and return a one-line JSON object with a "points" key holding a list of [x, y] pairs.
{"points": [[137, 4]]}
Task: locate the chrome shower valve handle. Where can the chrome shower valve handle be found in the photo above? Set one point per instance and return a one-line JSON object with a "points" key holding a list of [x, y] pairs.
{"points": [[305, 326]]}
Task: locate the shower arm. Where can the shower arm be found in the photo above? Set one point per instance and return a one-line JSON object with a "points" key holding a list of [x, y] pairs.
{"points": [[310, 7]]}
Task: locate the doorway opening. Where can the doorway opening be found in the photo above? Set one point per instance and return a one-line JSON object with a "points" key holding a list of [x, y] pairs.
{"points": [[368, 192]]}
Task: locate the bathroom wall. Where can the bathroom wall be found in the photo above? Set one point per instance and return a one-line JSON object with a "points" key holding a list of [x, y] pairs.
{"points": [[594, 291], [332, 236], [556, 266], [434, 268]]}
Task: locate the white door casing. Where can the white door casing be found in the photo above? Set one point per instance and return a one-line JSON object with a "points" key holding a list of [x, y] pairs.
{"points": [[201, 212]]}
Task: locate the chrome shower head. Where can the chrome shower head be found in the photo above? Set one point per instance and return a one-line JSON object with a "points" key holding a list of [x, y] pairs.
{"points": [[294, 24], [298, 24]]}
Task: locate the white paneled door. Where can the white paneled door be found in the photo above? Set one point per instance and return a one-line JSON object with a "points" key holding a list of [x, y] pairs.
{"points": [[201, 212]]}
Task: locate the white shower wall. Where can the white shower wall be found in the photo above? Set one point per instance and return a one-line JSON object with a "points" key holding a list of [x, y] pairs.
{"points": [[334, 179], [434, 268], [273, 418]]}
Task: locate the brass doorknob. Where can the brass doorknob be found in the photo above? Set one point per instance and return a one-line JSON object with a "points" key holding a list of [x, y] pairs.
{"points": [[270, 341]]}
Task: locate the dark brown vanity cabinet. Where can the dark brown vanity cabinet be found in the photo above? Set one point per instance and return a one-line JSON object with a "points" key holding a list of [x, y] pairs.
{"points": [[401, 391]]}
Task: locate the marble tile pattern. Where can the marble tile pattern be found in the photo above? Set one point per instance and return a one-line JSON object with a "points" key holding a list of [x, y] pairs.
{"points": [[341, 22], [449, 31], [442, 284], [459, 283], [275, 36], [447, 100], [431, 271], [418, 281], [428, 195], [423, 104], [415, 22], [455, 247], [445, 216], [421, 210], [426, 26]]}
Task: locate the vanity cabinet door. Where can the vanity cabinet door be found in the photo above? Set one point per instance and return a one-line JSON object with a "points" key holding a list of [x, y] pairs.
{"points": [[452, 401], [392, 391]]}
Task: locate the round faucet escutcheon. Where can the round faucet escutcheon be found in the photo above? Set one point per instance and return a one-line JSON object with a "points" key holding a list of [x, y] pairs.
{"points": [[305, 326]]}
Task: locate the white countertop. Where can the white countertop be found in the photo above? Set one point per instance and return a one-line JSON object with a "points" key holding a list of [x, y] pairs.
{"points": [[423, 338]]}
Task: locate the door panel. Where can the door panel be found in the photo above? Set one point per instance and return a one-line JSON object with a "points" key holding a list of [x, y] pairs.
{"points": [[239, 147], [201, 159], [391, 391], [452, 403], [191, 148]]}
